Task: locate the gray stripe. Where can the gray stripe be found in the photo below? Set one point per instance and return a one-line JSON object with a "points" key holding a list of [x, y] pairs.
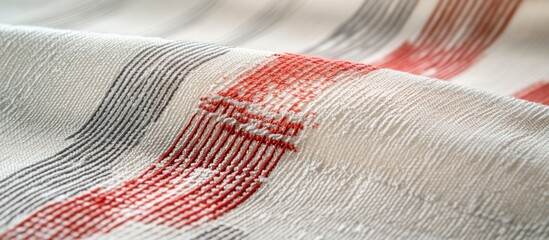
{"points": [[262, 21], [370, 28], [78, 14], [221, 231], [135, 100], [184, 20]]}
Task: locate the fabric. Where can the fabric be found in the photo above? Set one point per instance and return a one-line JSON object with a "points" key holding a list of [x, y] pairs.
{"points": [[274, 119]]}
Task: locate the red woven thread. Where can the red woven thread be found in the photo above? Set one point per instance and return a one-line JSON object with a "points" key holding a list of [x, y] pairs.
{"points": [[444, 47], [537, 92], [233, 142]]}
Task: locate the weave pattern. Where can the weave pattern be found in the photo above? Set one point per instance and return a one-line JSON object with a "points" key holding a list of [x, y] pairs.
{"points": [[134, 101], [363, 119], [218, 160], [455, 36]]}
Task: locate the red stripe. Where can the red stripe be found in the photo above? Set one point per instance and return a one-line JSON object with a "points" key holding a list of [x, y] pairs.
{"points": [[455, 36], [537, 92], [217, 150]]}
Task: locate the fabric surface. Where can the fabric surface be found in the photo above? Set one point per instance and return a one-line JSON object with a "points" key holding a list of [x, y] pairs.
{"points": [[280, 119]]}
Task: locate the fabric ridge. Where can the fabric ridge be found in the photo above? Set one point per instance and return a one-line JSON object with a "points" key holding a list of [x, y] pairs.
{"points": [[239, 119]]}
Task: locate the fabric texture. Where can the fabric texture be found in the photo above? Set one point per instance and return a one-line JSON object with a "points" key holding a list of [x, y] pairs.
{"points": [[274, 119]]}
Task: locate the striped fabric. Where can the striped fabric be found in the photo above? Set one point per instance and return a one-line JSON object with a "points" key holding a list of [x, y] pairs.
{"points": [[279, 119]]}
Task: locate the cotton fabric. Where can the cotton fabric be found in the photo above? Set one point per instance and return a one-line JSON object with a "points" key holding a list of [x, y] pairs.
{"points": [[274, 120]]}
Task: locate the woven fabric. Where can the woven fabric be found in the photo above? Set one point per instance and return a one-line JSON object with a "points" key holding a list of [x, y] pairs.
{"points": [[274, 119]]}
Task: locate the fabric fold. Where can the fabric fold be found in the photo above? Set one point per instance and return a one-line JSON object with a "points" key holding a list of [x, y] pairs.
{"points": [[106, 136]]}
